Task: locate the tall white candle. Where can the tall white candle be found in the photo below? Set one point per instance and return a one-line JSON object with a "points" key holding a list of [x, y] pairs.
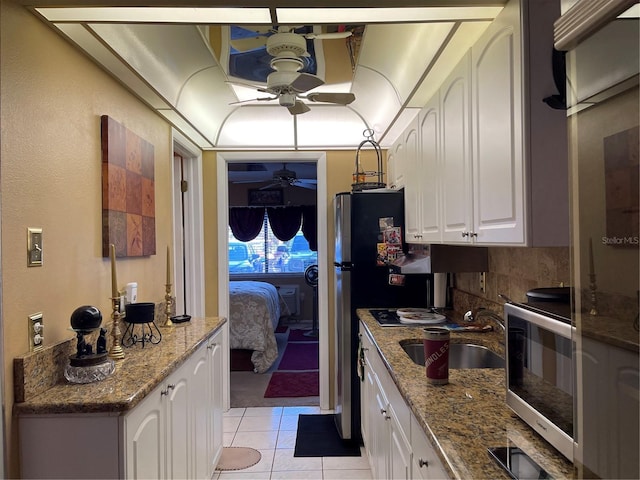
{"points": [[114, 279], [168, 267]]}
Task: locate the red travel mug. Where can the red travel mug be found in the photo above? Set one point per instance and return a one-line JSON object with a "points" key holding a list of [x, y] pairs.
{"points": [[436, 354]]}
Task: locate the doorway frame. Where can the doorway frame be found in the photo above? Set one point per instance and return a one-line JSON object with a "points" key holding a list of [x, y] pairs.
{"points": [[193, 248], [320, 159]]}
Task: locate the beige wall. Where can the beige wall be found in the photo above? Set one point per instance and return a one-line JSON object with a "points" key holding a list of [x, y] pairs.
{"points": [[50, 170]]}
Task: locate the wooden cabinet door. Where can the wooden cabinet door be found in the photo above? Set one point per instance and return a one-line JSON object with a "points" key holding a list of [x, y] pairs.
{"points": [[455, 155], [145, 439], [498, 189]]}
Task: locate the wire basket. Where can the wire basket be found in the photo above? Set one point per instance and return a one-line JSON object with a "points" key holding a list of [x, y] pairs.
{"points": [[363, 179]]}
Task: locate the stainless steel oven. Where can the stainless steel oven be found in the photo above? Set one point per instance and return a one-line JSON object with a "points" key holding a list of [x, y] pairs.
{"points": [[539, 372]]}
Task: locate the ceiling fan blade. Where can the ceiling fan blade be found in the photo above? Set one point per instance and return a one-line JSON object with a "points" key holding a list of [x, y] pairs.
{"points": [[271, 185], [298, 108], [312, 185], [305, 82], [338, 98], [248, 44], [263, 99], [247, 38], [328, 35]]}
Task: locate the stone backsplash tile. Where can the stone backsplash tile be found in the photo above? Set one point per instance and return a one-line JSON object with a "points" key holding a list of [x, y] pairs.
{"points": [[38, 371], [512, 272]]}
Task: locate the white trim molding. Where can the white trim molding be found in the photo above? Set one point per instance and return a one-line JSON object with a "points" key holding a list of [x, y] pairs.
{"points": [[585, 18]]}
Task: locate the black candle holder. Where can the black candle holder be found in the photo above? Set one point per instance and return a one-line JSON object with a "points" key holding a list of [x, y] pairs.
{"points": [[147, 332]]}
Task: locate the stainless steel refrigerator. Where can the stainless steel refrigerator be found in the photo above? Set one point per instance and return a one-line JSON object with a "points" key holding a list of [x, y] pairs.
{"points": [[361, 283]]}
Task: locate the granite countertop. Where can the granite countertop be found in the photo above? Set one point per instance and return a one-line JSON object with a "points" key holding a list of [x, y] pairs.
{"points": [[141, 370], [610, 330], [469, 414]]}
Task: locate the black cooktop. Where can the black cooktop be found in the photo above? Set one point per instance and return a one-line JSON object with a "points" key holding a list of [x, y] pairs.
{"points": [[386, 317]]}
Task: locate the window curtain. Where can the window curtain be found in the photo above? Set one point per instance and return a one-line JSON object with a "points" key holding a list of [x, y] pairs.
{"points": [[285, 221], [246, 222], [310, 226]]}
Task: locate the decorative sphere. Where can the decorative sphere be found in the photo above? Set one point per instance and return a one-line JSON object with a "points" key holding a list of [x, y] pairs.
{"points": [[86, 318]]}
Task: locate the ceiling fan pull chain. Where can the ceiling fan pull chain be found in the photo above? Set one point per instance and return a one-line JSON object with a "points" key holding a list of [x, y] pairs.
{"points": [[359, 175]]}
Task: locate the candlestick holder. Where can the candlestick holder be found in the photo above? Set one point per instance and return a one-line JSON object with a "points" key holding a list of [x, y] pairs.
{"points": [[593, 296], [116, 350], [167, 305]]}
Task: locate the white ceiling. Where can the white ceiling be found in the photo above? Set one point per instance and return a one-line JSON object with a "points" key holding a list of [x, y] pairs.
{"points": [[173, 68]]}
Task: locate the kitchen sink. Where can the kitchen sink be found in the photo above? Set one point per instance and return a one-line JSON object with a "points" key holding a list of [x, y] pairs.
{"points": [[461, 355]]}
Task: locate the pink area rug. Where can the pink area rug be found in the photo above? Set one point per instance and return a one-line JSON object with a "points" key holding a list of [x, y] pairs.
{"points": [[300, 356], [293, 384]]}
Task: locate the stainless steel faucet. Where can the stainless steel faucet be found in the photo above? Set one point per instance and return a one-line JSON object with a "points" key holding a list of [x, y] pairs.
{"points": [[474, 315]]}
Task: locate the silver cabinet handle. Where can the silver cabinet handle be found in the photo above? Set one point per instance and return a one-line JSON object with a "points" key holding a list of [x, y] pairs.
{"points": [[423, 463], [171, 386], [465, 234], [473, 234]]}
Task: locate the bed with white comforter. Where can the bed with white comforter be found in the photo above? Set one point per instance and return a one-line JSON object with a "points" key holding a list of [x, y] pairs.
{"points": [[254, 311]]}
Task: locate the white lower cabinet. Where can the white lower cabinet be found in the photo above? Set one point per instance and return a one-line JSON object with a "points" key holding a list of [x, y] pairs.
{"points": [[426, 465], [608, 410], [175, 432], [389, 427], [181, 419]]}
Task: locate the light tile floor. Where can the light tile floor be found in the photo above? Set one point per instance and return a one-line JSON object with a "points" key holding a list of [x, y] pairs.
{"points": [[272, 431]]}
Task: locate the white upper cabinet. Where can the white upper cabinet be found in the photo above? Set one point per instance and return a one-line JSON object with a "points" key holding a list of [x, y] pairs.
{"points": [[395, 165], [455, 155], [428, 173], [492, 159], [497, 124], [411, 184]]}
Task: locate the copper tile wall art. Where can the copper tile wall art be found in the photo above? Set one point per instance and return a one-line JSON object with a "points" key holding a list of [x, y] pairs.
{"points": [[128, 193]]}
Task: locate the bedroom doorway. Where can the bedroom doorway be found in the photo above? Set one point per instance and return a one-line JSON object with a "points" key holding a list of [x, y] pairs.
{"points": [[244, 179]]}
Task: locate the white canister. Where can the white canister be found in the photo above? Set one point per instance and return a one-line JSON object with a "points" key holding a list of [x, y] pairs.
{"points": [[132, 292]]}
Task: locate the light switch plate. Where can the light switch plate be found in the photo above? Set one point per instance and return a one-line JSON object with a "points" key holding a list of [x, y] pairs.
{"points": [[34, 247]]}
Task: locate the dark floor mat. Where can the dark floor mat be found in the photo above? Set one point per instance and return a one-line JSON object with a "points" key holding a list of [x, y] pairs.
{"points": [[318, 437]]}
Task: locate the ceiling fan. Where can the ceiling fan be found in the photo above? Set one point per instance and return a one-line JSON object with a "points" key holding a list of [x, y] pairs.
{"points": [[280, 178], [286, 83]]}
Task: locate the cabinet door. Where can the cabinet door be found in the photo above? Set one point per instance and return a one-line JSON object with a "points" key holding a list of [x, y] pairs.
{"points": [[178, 442], [399, 450], [455, 155], [399, 169], [429, 172], [425, 464], [145, 439], [497, 132], [200, 403], [380, 433], [411, 185], [216, 349]]}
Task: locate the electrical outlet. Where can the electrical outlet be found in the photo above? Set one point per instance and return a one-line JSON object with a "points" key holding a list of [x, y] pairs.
{"points": [[483, 282], [36, 331]]}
